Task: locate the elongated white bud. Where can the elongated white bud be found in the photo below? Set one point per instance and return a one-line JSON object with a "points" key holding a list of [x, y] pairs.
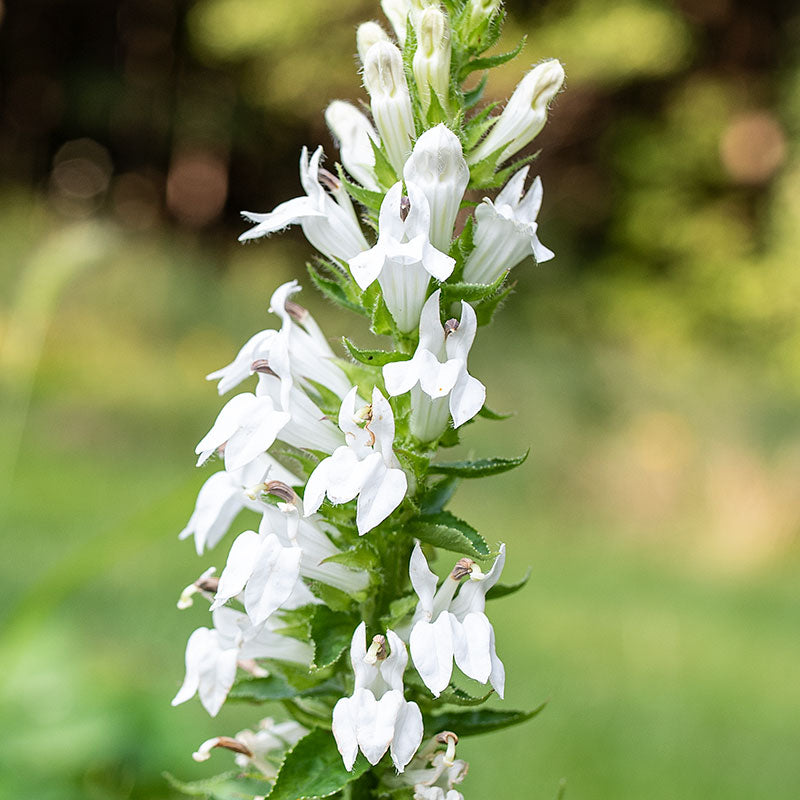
{"points": [[431, 63], [525, 113], [368, 34], [354, 133], [390, 101], [437, 166], [397, 13]]}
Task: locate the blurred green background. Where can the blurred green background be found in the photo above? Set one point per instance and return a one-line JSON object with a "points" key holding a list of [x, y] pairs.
{"points": [[654, 366]]}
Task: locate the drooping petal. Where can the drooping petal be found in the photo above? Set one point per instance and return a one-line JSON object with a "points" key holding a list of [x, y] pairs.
{"points": [[344, 730], [408, 731], [217, 674], [497, 677], [393, 667], [238, 568], [375, 721], [431, 646], [382, 490], [197, 647], [275, 573], [466, 398], [472, 646], [382, 426]]}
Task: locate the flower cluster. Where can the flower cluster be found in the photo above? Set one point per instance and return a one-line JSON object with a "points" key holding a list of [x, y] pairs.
{"points": [[335, 460]]}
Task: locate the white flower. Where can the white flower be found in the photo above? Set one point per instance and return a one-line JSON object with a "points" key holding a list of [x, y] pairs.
{"points": [[329, 225], [525, 113], [437, 166], [385, 80], [367, 34], [403, 260], [377, 717], [267, 566], [225, 494], [444, 628], [354, 134], [247, 425], [431, 63], [438, 378], [298, 350], [505, 232], [365, 466], [257, 748], [397, 13], [212, 656]]}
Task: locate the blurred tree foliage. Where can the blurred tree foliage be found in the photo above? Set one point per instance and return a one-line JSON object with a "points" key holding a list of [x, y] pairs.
{"points": [[670, 167]]}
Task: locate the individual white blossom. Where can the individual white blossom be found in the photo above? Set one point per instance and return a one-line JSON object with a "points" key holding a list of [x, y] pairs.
{"points": [[225, 494], [439, 367], [266, 568], [432, 772], [261, 748], [377, 717], [525, 113], [365, 466], [431, 62], [385, 80], [354, 135], [438, 167], [444, 628], [396, 12], [329, 225], [246, 426], [298, 350], [506, 231], [403, 260], [212, 655], [367, 34]]}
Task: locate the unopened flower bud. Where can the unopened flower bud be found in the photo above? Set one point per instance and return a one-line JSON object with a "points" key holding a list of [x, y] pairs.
{"points": [[438, 167], [354, 134], [525, 113], [478, 16], [390, 101], [368, 34], [397, 13], [431, 64], [203, 753]]}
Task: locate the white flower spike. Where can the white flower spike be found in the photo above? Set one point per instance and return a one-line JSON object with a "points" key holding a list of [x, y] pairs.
{"points": [[438, 167], [506, 231], [439, 378], [329, 225], [525, 113], [365, 466], [444, 629], [354, 134], [377, 717], [403, 261], [385, 80]]}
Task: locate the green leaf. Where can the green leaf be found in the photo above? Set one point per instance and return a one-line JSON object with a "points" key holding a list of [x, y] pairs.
{"points": [[449, 532], [274, 687], [382, 320], [384, 171], [399, 609], [491, 61], [373, 358], [436, 112], [485, 720], [435, 499], [471, 292], [331, 633], [458, 697], [368, 198], [477, 126], [480, 468], [334, 598], [332, 290], [505, 589], [416, 463], [487, 413], [228, 786], [313, 768], [472, 96], [485, 310], [362, 555]]}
